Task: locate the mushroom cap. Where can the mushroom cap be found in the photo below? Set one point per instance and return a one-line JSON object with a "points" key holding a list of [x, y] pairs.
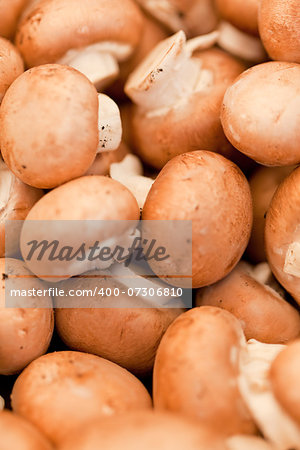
{"points": [[212, 192], [17, 433], [279, 29], [282, 229], [17, 199], [240, 13], [48, 122], [193, 123], [11, 65], [44, 35], [261, 113], [197, 367], [60, 391], [10, 11], [284, 376], [263, 184], [25, 333], [145, 430], [103, 160], [262, 312], [128, 336]]}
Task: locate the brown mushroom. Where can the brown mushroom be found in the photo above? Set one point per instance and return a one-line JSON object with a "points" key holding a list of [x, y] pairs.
{"points": [[194, 17], [10, 11], [96, 35], [178, 95], [60, 391], [263, 313], [240, 13], [26, 322], [279, 28], [17, 433], [263, 184], [284, 376], [143, 430], [11, 65], [260, 113], [16, 200], [196, 370], [53, 123], [282, 234], [104, 160], [211, 192]]}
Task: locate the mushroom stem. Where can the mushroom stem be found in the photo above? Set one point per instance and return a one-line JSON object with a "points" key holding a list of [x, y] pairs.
{"points": [[129, 172], [2, 403], [164, 12], [98, 62], [240, 44], [6, 179], [109, 124], [292, 260], [170, 73]]}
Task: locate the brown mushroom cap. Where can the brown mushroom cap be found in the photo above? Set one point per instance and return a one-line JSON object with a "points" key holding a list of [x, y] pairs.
{"points": [[25, 333], [10, 11], [263, 184], [16, 433], [49, 129], [212, 192], [11, 65], [128, 336], [17, 199], [191, 124], [44, 35], [196, 370], [143, 430], [282, 231], [279, 28], [262, 312], [260, 113], [240, 13], [60, 391], [284, 376]]}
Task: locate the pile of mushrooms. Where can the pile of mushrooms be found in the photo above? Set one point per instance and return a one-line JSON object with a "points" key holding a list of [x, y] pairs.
{"points": [[121, 120]]}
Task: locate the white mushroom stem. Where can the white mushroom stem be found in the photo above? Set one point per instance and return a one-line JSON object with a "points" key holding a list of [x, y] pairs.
{"points": [[170, 73], [292, 260], [6, 181], [129, 172], [98, 62], [2, 403], [109, 124], [240, 44], [163, 11], [256, 390]]}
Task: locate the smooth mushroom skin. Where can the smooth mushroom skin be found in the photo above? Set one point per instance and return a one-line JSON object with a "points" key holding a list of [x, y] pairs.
{"points": [[60, 391], [263, 184], [11, 65], [196, 370], [195, 17], [212, 192], [279, 29], [240, 13], [10, 11], [16, 200], [89, 198], [97, 35], [25, 332], [104, 160], [284, 376], [143, 430], [191, 124], [262, 312], [261, 113], [282, 234], [17, 433], [48, 123], [128, 336]]}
